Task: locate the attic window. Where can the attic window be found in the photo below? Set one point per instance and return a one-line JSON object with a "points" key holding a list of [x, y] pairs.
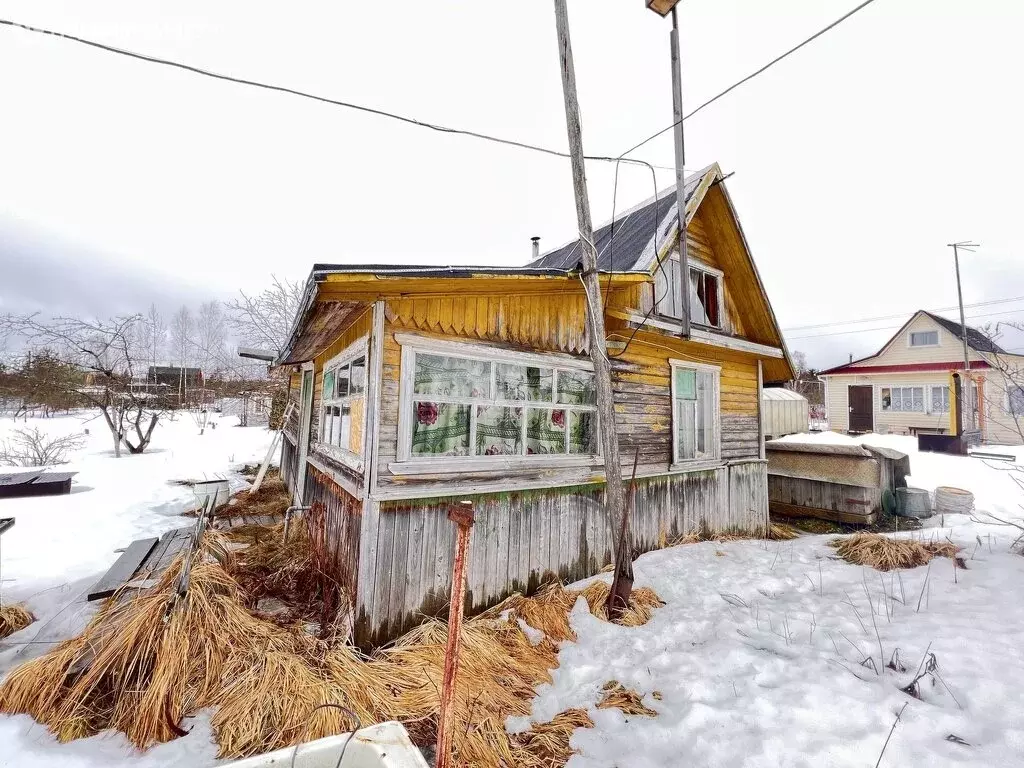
{"points": [[705, 293], [924, 339]]}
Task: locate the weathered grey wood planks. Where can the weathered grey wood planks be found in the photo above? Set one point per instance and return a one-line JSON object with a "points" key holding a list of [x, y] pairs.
{"points": [[519, 539], [123, 569]]}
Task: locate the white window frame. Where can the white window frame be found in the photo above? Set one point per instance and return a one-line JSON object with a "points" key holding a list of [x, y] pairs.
{"points": [[408, 464], [912, 345], [715, 457], [928, 402], [1006, 398], [359, 348], [700, 266], [925, 397]]}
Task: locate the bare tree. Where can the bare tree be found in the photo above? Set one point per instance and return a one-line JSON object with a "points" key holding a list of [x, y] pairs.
{"points": [[211, 338], [155, 330], [34, 448], [264, 320], [102, 351], [806, 382], [1005, 381], [182, 331]]}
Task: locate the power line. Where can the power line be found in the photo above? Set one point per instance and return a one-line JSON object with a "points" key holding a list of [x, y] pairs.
{"points": [[893, 327], [900, 314], [315, 97], [752, 75]]}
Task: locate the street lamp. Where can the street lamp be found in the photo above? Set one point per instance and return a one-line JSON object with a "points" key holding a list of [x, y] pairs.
{"points": [[662, 7]]}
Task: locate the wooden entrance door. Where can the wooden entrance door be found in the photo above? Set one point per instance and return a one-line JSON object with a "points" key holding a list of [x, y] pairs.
{"points": [[862, 412]]}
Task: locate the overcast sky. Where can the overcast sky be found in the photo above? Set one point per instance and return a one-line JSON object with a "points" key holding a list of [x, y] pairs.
{"points": [[856, 160]]}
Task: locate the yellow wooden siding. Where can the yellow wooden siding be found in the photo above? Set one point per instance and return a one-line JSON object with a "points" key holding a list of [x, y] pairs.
{"points": [[550, 322]]}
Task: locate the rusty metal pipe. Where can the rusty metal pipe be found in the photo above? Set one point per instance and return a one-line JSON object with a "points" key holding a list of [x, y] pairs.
{"points": [[462, 515]]}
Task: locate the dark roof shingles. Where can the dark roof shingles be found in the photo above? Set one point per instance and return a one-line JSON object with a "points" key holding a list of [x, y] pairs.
{"points": [[976, 340], [620, 251]]}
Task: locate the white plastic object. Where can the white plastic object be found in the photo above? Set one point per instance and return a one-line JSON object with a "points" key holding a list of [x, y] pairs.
{"points": [[385, 745]]}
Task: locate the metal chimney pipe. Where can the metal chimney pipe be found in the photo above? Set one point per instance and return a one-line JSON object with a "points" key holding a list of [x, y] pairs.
{"points": [[536, 247]]}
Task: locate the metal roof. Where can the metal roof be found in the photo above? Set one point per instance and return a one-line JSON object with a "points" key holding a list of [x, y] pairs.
{"points": [[780, 393], [975, 338], [20, 477], [622, 242]]}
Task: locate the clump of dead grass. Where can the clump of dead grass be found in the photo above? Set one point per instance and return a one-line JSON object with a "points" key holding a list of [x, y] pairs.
{"points": [[272, 498], [782, 532], [887, 554], [14, 618], [617, 696], [134, 672]]}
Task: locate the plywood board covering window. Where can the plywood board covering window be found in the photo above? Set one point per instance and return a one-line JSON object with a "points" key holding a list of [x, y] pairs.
{"points": [[466, 406], [695, 412], [343, 406]]}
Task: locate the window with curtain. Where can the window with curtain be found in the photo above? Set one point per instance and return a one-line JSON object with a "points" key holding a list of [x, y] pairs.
{"points": [[940, 400], [488, 406], [705, 293], [903, 399], [695, 413], [343, 403]]}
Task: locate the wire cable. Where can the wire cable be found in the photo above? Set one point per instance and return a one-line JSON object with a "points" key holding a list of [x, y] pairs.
{"points": [[901, 314], [314, 97], [893, 327], [752, 75]]}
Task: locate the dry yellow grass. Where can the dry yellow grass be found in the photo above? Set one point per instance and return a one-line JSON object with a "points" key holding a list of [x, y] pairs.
{"points": [[886, 554], [133, 672], [14, 618], [617, 696]]}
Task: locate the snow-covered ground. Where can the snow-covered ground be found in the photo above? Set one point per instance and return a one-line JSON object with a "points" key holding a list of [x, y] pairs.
{"points": [[60, 545], [758, 652], [756, 655]]}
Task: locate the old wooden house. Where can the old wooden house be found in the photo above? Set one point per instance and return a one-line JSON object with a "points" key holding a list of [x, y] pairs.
{"points": [[420, 385]]}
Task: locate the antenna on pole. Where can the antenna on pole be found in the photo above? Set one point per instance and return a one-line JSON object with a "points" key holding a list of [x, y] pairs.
{"points": [[968, 395]]}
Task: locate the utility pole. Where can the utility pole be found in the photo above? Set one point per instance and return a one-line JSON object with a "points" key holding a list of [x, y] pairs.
{"points": [[967, 245], [614, 497], [677, 119]]}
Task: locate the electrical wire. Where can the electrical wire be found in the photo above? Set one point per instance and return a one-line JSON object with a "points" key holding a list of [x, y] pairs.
{"points": [[314, 97], [901, 314], [752, 75], [412, 121], [893, 327]]}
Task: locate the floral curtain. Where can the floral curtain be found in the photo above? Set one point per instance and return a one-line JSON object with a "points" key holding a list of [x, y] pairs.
{"points": [[440, 429]]}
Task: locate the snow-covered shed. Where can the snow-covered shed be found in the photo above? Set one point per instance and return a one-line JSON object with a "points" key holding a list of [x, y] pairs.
{"points": [[783, 412]]}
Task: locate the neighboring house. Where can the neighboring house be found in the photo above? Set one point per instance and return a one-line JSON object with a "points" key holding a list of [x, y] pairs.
{"points": [[418, 385], [904, 388]]}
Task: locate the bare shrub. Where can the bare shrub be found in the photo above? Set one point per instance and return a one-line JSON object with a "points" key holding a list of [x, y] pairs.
{"points": [[34, 448]]}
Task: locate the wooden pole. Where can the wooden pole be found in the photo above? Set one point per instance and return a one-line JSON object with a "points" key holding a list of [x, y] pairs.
{"points": [[462, 515], [965, 391], [614, 495], [680, 155]]}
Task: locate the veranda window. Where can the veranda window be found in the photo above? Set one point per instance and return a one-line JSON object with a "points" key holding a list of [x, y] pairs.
{"points": [[940, 400], [343, 403], [903, 399], [695, 403], [478, 406]]}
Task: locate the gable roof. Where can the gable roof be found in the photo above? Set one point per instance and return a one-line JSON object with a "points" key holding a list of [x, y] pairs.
{"points": [[622, 242], [976, 340]]}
